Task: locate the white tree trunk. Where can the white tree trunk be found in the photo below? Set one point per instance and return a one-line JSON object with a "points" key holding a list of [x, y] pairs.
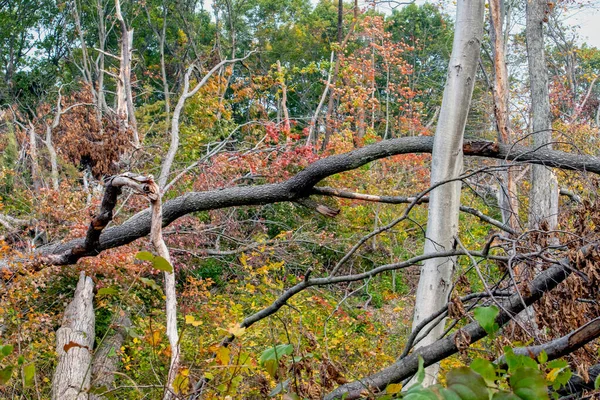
{"points": [[35, 166], [544, 187], [125, 108], [186, 94], [447, 163], [72, 375]]}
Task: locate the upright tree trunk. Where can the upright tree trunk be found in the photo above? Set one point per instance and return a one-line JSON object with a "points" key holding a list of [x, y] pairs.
{"points": [[74, 345], [543, 206], [125, 107], [447, 163], [101, 105], [507, 195], [286, 116], [35, 166]]}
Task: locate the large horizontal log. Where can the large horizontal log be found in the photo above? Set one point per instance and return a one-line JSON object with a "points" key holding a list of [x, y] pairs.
{"points": [[443, 348], [299, 186]]}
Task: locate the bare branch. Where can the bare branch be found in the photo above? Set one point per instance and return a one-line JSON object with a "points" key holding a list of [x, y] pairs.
{"points": [[406, 367], [301, 185]]}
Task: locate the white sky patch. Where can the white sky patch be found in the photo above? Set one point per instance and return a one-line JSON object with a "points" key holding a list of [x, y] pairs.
{"points": [[588, 21]]}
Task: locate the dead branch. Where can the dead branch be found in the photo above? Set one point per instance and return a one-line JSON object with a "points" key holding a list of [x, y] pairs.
{"points": [[406, 367]]}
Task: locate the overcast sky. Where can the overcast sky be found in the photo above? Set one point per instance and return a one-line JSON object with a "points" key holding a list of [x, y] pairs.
{"points": [[589, 22]]}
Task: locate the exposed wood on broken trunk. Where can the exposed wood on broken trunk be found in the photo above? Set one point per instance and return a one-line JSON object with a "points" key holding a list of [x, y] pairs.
{"points": [[74, 343]]}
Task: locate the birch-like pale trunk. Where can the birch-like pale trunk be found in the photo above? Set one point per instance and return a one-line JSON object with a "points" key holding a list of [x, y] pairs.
{"points": [[125, 107], [312, 136], [446, 164], [543, 201], [186, 94], [170, 293], [33, 153], [286, 116], [74, 345]]}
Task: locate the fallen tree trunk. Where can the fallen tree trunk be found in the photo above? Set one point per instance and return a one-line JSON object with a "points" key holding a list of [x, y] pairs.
{"points": [[443, 348], [74, 344], [106, 361], [297, 187], [562, 346]]}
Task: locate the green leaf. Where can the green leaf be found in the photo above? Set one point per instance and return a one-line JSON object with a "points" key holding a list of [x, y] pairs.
{"points": [[597, 383], [107, 291], [557, 364], [150, 283], [29, 374], [486, 316], [484, 368], [467, 384], [421, 371], [162, 264], [275, 353], [144, 256], [529, 384], [6, 350], [5, 374], [542, 357], [422, 394], [505, 396]]}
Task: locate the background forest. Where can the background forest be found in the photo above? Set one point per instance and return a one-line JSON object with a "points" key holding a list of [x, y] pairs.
{"points": [[284, 148]]}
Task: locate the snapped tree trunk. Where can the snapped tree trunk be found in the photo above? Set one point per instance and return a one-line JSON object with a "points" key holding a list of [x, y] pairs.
{"points": [[74, 343], [543, 206], [447, 163]]}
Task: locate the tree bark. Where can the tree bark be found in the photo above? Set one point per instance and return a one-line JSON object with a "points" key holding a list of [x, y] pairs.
{"points": [[507, 195], [294, 188], [447, 163], [544, 190], [443, 348], [33, 153], [186, 94], [125, 107], [74, 344], [106, 361]]}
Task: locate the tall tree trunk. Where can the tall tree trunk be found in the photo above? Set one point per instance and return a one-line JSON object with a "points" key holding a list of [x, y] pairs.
{"points": [[447, 163], [74, 344], [125, 107], [101, 105], [543, 206], [286, 116], [186, 94], [507, 195], [33, 154]]}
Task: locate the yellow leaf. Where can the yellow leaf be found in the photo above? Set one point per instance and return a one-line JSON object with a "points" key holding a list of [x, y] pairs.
{"points": [[190, 320], [393, 388], [182, 382], [553, 374], [236, 330], [223, 355]]}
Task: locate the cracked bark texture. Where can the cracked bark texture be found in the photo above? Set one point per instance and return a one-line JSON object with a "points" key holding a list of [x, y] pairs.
{"points": [[74, 344], [544, 190]]}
